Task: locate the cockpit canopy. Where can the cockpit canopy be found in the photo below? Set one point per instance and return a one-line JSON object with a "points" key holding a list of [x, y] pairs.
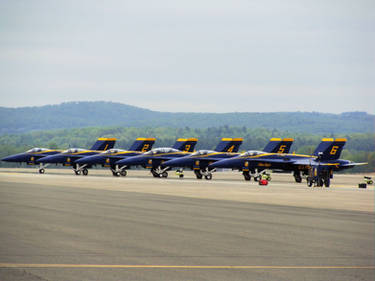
{"points": [[112, 151], [161, 150], [73, 150], [202, 152], [251, 153], [36, 149]]}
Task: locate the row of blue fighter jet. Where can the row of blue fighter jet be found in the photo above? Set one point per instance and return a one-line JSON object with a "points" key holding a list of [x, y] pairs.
{"points": [[318, 167]]}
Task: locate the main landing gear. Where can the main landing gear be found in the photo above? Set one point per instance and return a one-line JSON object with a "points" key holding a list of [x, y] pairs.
{"points": [[80, 170], [246, 175], [159, 172], [117, 172], [206, 173], [198, 174], [297, 176], [323, 178], [42, 167], [256, 175]]}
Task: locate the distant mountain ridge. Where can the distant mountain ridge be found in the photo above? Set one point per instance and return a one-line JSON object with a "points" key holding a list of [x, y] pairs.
{"points": [[100, 114]]}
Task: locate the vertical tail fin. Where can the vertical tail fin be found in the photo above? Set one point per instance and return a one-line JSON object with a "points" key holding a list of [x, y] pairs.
{"points": [[142, 144], [330, 149], [278, 145], [187, 145], [229, 145], [104, 144]]}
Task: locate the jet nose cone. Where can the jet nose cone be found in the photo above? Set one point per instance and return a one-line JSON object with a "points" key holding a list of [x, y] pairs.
{"points": [[15, 158], [7, 159]]}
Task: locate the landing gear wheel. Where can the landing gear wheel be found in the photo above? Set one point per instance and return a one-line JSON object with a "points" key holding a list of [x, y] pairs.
{"points": [[298, 179], [309, 182], [123, 173], [320, 182], [326, 182], [164, 174], [41, 171], [208, 177], [77, 172], [256, 178], [85, 172], [246, 176], [181, 176], [198, 174], [155, 174], [116, 174], [297, 176]]}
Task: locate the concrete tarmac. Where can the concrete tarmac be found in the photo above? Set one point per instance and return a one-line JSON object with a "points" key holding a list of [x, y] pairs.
{"points": [[59, 226]]}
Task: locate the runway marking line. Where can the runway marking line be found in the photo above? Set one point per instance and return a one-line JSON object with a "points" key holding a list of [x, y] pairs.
{"points": [[129, 266]]}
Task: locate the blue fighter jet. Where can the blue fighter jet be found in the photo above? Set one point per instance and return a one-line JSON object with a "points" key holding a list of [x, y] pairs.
{"points": [[154, 158], [110, 157], [32, 156], [199, 161], [318, 167], [71, 155]]}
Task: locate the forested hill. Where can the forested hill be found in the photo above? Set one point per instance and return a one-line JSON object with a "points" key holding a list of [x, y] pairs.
{"points": [[87, 114]]}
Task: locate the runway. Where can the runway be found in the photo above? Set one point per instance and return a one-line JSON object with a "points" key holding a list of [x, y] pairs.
{"points": [[59, 226]]}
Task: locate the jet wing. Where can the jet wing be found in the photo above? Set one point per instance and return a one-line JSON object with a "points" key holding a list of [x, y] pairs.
{"points": [[278, 161], [308, 162], [209, 159], [296, 162], [311, 162], [162, 158], [353, 164]]}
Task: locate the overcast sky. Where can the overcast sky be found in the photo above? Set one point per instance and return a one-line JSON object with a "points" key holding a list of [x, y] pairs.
{"points": [[193, 55]]}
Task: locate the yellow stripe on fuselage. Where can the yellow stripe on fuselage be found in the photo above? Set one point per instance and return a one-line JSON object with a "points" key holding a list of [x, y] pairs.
{"points": [[126, 152], [214, 153], [85, 151], [46, 151], [169, 153], [279, 154]]}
